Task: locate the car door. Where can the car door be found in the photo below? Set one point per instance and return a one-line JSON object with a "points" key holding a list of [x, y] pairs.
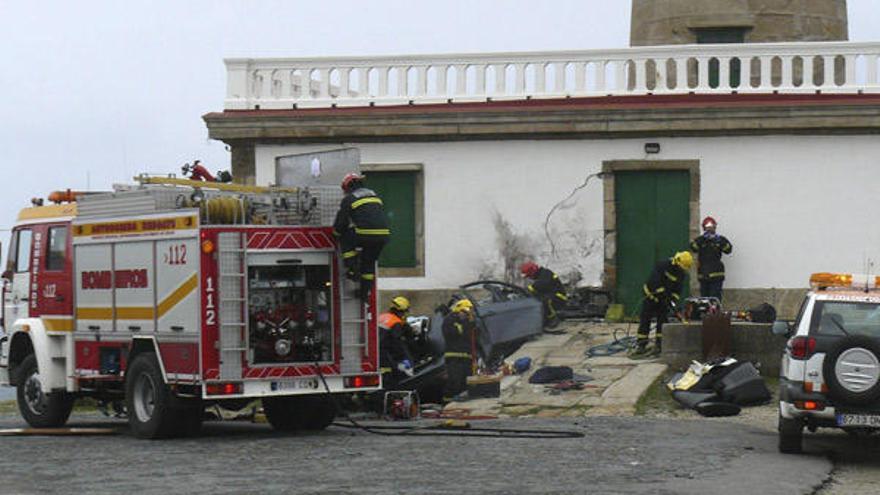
{"points": [[506, 313]]}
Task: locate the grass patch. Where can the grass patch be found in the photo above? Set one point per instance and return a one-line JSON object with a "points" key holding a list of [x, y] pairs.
{"points": [[657, 399]]}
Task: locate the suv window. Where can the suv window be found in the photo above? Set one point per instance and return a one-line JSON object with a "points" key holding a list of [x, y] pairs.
{"points": [[839, 318]]}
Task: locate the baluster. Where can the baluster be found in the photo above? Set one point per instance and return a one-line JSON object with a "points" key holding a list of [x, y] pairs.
{"points": [[442, 75], [723, 73], [681, 74], [519, 79], [703, 73], [829, 78], [766, 74], [871, 68], [808, 81], [540, 79], [661, 81], [620, 76], [480, 72], [787, 72], [266, 89], [402, 80], [324, 86], [500, 78], [640, 67], [850, 72], [580, 77], [284, 77], [382, 90], [344, 78], [745, 70], [559, 77], [600, 76], [421, 80], [363, 84], [460, 80]]}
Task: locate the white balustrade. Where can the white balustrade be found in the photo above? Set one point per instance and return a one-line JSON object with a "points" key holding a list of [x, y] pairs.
{"points": [[804, 67]]}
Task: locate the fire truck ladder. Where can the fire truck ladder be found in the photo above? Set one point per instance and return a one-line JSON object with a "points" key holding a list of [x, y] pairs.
{"points": [[354, 324], [232, 303]]}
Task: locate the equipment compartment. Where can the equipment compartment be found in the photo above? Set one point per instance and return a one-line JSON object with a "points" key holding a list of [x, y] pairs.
{"points": [[289, 313]]}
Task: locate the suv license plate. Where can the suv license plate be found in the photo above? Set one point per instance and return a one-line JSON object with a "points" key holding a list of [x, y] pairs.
{"points": [[869, 420]]}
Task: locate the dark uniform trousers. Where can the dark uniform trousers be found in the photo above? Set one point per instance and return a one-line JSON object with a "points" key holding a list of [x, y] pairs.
{"points": [[363, 231], [457, 332]]}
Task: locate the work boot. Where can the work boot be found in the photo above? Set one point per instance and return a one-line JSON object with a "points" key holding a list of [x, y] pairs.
{"points": [[639, 351], [658, 348]]}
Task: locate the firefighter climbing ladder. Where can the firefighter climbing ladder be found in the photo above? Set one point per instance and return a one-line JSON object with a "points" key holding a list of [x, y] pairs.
{"points": [[232, 302]]}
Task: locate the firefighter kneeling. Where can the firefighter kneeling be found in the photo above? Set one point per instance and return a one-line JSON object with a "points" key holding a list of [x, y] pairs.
{"points": [[662, 293], [395, 358], [459, 332], [547, 288]]}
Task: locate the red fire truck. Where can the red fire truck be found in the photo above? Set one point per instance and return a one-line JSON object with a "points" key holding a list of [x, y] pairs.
{"points": [[174, 294]]}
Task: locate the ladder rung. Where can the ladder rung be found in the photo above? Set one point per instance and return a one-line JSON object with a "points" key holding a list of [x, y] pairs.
{"points": [[232, 274], [232, 324], [357, 320], [232, 299], [233, 349]]}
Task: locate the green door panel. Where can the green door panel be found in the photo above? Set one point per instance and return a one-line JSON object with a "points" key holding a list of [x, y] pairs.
{"points": [[652, 224], [398, 193]]}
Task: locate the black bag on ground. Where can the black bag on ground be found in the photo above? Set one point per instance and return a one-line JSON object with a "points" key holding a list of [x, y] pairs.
{"points": [[763, 313], [552, 374], [742, 385]]}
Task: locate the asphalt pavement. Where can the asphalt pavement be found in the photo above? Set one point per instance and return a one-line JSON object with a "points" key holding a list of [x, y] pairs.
{"points": [[616, 455]]}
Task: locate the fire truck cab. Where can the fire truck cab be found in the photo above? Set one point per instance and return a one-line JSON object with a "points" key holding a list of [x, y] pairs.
{"points": [[174, 294]]}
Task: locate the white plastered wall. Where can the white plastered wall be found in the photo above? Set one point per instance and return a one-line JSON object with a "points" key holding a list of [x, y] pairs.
{"points": [[791, 205]]}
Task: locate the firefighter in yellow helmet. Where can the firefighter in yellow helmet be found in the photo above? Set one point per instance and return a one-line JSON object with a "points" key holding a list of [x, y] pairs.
{"points": [[394, 353], [459, 330], [662, 292]]}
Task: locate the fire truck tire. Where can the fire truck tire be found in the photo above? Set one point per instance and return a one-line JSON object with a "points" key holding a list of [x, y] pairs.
{"points": [[39, 409], [152, 409], [299, 413]]}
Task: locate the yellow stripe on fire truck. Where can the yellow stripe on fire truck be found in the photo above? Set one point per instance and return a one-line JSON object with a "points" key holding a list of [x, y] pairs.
{"points": [[142, 312], [137, 226]]}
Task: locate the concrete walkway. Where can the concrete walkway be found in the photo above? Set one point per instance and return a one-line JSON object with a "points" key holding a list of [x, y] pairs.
{"points": [[617, 384]]}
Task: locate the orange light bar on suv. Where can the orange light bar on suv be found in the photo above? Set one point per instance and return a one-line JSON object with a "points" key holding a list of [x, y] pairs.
{"points": [[831, 280]]}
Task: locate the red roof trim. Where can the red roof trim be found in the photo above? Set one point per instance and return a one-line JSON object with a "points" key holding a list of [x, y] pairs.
{"points": [[608, 102]]}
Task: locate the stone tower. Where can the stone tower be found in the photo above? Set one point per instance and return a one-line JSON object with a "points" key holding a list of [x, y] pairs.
{"points": [[673, 22]]}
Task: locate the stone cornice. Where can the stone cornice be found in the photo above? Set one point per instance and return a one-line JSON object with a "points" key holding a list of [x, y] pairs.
{"points": [[587, 118]]}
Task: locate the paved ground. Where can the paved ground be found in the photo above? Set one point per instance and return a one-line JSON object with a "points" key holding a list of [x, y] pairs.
{"points": [[617, 455], [617, 383]]}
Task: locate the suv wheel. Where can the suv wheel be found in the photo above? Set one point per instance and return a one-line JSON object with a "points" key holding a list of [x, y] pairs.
{"points": [[791, 435], [852, 370]]}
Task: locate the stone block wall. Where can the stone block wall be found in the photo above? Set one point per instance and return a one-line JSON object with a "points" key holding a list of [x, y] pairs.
{"points": [[683, 343]]}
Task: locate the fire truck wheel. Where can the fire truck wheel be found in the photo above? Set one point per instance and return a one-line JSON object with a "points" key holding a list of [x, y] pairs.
{"points": [[39, 409], [151, 411], [299, 413]]}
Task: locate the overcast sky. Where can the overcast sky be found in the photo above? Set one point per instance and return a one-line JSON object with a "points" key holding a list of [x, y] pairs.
{"points": [[93, 92]]}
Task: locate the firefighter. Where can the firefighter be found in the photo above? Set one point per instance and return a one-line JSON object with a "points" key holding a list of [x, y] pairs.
{"points": [[459, 333], [709, 248], [662, 293], [546, 287], [362, 229], [394, 354]]}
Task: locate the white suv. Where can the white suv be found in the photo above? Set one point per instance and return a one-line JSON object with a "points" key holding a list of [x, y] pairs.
{"points": [[830, 373]]}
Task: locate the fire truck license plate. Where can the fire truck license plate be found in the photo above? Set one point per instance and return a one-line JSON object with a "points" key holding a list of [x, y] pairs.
{"points": [[293, 385], [869, 420]]}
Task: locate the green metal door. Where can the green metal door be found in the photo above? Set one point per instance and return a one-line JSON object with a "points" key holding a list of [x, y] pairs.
{"points": [[652, 224], [398, 193]]}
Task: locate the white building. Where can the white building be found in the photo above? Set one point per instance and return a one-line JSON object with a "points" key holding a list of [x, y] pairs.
{"points": [[484, 146]]}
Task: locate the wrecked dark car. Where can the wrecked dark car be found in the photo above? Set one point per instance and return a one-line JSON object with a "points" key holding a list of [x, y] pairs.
{"points": [[506, 316]]}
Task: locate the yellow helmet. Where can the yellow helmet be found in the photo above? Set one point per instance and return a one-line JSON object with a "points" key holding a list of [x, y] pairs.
{"points": [[463, 305], [683, 259], [400, 303]]}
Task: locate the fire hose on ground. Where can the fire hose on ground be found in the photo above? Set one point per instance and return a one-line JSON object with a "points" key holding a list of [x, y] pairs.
{"points": [[445, 429]]}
